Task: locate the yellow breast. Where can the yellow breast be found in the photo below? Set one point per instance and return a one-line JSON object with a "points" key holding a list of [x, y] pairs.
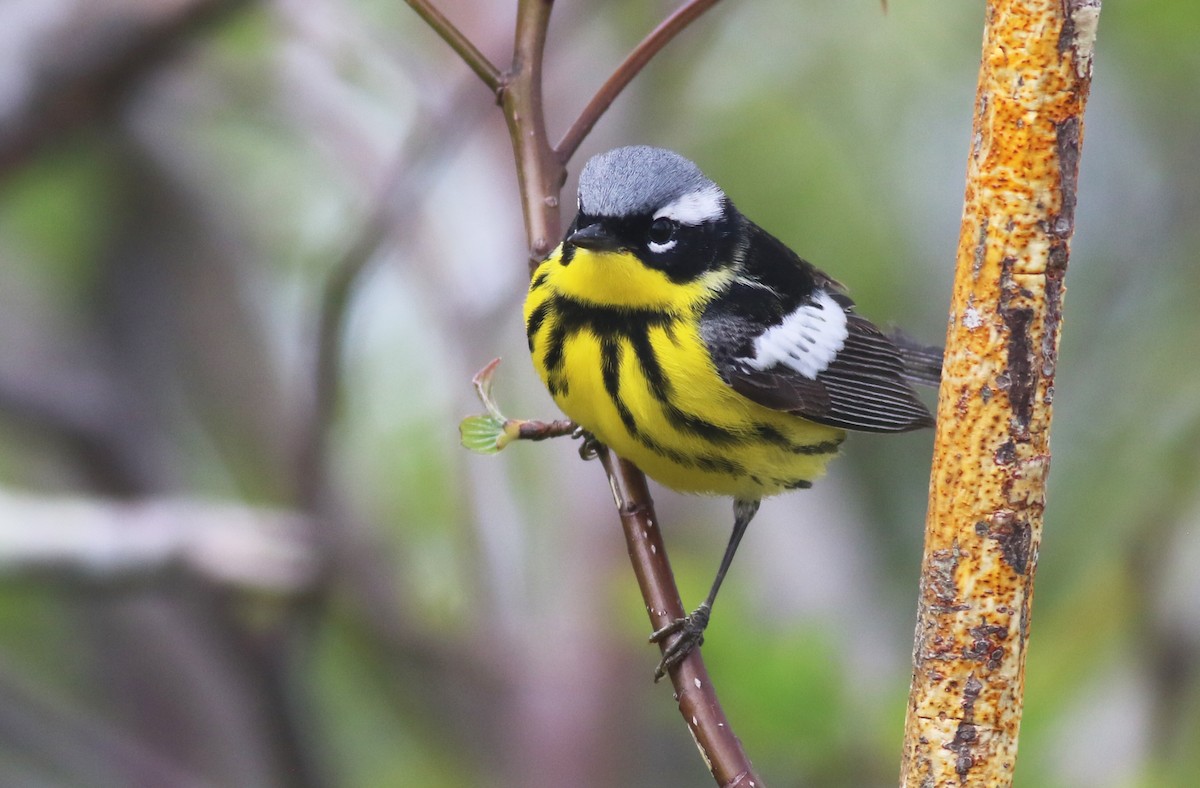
{"points": [[619, 347]]}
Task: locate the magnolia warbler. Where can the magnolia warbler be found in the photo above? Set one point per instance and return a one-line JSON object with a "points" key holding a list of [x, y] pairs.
{"points": [[693, 343]]}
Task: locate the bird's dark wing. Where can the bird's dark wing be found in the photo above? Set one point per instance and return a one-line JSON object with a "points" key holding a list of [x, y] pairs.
{"points": [[810, 354]]}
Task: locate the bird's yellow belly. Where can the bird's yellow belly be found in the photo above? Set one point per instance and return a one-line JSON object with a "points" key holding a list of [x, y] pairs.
{"points": [[652, 394]]}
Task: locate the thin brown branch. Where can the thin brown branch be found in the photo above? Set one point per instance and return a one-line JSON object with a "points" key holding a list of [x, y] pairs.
{"points": [[467, 50], [540, 174], [650, 46], [991, 450], [694, 692], [544, 430]]}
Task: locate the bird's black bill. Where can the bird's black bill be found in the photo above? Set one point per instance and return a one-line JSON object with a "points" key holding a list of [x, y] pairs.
{"points": [[594, 237]]}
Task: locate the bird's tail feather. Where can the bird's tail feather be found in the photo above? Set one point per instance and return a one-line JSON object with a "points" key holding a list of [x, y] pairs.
{"points": [[922, 363]]}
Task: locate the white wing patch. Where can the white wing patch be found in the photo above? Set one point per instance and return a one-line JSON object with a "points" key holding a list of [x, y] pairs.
{"points": [[695, 207], [807, 341]]}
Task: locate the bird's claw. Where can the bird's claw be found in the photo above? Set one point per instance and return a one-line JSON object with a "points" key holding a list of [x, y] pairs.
{"points": [[690, 632], [589, 449]]}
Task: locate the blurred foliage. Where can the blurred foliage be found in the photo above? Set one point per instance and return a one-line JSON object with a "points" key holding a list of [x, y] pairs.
{"points": [[475, 622]]}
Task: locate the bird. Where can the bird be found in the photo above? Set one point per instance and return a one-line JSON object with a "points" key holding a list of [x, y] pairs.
{"points": [[678, 333]]}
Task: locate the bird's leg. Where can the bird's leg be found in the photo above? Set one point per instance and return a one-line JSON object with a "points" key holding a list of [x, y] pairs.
{"points": [[590, 447], [690, 628]]}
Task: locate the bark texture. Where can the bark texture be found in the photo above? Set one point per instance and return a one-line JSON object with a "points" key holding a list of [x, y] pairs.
{"points": [[992, 454]]}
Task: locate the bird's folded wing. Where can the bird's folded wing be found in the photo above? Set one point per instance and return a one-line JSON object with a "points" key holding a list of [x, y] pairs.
{"points": [[828, 365]]}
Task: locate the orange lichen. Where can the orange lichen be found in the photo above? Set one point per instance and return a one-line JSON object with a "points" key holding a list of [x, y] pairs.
{"points": [[987, 490]]}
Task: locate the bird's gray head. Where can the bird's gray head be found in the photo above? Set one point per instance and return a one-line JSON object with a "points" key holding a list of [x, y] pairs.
{"points": [[640, 180], [657, 206]]}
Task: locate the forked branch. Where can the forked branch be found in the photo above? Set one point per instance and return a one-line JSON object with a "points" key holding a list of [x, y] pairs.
{"points": [[541, 172]]}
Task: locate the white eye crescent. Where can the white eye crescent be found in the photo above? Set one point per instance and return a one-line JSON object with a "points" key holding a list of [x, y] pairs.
{"points": [[661, 235]]}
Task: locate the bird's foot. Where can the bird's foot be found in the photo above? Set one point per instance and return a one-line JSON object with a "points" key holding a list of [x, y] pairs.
{"points": [[589, 449], [690, 632]]}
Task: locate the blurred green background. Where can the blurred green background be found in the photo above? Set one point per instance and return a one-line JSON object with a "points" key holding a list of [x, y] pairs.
{"points": [[208, 578]]}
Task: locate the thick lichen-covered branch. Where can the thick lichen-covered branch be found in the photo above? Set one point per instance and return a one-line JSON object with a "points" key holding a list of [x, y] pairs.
{"points": [[992, 454]]}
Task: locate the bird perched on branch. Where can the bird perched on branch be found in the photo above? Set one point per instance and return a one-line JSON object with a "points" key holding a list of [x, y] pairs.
{"points": [[698, 346]]}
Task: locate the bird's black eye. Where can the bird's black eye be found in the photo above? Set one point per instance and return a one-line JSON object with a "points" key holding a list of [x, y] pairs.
{"points": [[661, 230]]}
